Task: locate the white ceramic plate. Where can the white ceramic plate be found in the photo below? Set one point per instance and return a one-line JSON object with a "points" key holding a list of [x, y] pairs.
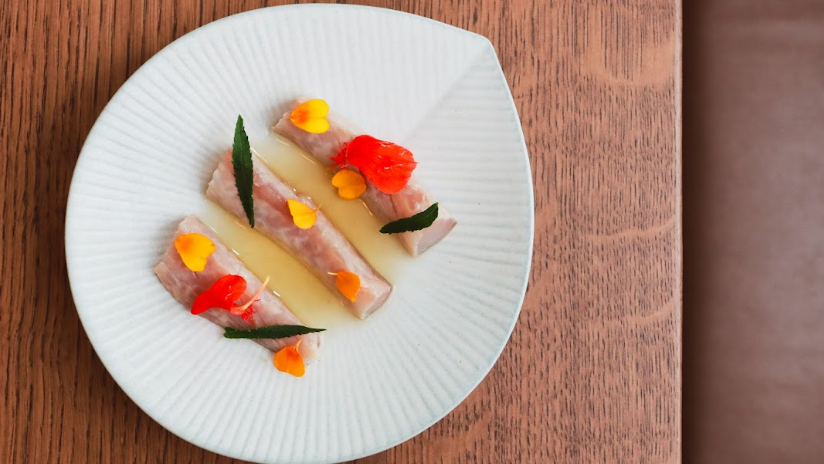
{"points": [[431, 87]]}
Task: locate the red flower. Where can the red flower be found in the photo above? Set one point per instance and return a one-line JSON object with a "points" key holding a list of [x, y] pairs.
{"points": [[385, 164], [223, 294]]}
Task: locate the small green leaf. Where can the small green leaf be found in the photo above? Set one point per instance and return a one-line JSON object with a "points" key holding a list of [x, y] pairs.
{"points": [[271, 331], [242, 162], [419, 221]]}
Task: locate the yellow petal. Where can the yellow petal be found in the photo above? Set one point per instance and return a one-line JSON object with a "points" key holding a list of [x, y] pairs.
{"points": [[311, 116], [193, 250], [289, 360], [303, 216], [350, 184], [348, 284], [315, 126]]}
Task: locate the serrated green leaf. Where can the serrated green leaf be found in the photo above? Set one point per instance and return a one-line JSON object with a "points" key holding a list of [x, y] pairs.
{"points": [[271, 331], [242, 163], [419, 221]]}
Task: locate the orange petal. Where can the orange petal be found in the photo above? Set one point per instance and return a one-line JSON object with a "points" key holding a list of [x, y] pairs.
{"points": [[348, 284], [289, 360], [350, 184], [303, 216], [311, 116], [193, 250]]}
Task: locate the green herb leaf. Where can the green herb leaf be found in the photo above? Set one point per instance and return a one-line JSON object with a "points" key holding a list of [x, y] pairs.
{"points": [[419, 221], [242, 162], [271, 331]]}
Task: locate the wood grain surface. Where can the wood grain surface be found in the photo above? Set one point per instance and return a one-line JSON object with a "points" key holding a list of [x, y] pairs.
{"points": [[593, 370]]}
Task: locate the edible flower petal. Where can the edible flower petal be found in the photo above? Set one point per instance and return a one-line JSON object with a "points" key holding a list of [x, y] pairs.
{"points": [[289, 360], [350, 184], [303, 216], [385, 164], [222, 294], [194, 249], [311, 116], [348, 284], [245, 311]]}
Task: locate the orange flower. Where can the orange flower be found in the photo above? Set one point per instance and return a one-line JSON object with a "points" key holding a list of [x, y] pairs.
{"points": [[289, 360], [303, 216], [348, 284], [193, 250], [311, 116], [350, 184]]}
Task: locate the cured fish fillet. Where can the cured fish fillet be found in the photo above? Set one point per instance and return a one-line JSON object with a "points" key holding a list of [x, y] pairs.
{"points": [[185, 285], [411, 200], [322, 247]]}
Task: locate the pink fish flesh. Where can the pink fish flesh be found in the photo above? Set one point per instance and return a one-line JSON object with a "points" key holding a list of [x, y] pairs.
{"points": [[322, 248], [411, 200], [185, 285]]}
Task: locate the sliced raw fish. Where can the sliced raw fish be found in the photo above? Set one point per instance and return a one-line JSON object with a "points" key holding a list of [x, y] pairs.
{"points": [[411, 200], [322, 247], [185, 285]]}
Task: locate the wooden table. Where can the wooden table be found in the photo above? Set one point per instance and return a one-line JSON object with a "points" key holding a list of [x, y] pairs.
{"points": [[593, 370]]}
